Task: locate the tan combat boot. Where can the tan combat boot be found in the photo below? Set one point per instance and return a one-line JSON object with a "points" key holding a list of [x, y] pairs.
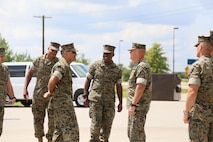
{"points": [[40, 140], [49, 141]]}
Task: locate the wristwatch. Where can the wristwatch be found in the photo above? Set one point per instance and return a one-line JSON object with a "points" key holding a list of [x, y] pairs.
{"points": [[133, 105], [13, 98], [185, 112]]}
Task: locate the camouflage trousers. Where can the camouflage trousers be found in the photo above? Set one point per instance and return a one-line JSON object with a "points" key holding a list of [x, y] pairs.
{"points": [[102, 115], [136, 132], [201, 124], [200, 131], [39, 108], [65, 121], [1, 118]]}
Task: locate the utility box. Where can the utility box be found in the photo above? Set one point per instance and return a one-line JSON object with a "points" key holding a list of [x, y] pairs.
{"points": [[166, 87]]}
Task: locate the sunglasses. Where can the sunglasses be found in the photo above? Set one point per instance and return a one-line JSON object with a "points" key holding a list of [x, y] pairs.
{"points": [[72, 52]]}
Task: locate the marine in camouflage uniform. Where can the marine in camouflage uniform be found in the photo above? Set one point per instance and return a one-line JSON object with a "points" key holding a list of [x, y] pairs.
{"points": [[105, 75], [60, 88], [5, 87], [139, 94], [42, 67], [199, 104]]}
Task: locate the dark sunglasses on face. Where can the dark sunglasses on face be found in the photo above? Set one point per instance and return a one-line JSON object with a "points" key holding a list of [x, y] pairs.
{"points": [[72, 52]]}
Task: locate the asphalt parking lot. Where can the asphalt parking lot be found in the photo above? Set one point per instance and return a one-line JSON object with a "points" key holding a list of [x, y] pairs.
{"points": [[164, 124]]}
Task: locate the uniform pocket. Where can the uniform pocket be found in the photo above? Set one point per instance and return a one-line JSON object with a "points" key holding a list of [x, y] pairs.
{"points": [[200, 113]]}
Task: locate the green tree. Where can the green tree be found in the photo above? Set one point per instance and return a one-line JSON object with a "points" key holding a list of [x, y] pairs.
{"points": [[155, 57], [126, 71], [83, 60], [10, 56], [9, 53], [23, 57], [125, 74]]}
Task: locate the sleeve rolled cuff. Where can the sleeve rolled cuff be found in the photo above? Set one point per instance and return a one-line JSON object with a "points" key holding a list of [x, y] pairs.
{"points": [[194, 81], [58, 74], [89, 76], [141, 81]]}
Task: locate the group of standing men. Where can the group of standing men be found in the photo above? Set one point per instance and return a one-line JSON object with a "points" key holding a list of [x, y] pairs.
{"points": [[53, 90], [105, 76], [53, 93], [54, 78]]}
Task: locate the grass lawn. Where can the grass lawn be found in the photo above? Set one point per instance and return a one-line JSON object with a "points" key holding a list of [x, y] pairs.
{"points": [[184, 91], [124, 92]]}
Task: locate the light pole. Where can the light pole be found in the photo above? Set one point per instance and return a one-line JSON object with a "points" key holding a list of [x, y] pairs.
{"points": [[43, 17], [175, 28], [119, 51]]}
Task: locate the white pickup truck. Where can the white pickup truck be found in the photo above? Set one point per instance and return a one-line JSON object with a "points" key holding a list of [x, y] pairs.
{"points": [[18, 71]]}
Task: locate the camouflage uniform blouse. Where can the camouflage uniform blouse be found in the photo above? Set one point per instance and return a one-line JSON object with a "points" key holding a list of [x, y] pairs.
{"points": [[42, 67], [64, 87], [104, 79], [201, 73], [4, 77], [141, 73]]}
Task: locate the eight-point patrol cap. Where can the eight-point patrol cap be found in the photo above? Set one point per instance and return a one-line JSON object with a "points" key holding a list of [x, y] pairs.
{"points": [[68, 47], [2, 51], [109, 49], [202, 39], [54, 46], [137, 46]]}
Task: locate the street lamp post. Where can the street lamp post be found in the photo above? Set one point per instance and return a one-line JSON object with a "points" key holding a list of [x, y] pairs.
{"points": [[175, 28], [119, 51], [43, 17]]}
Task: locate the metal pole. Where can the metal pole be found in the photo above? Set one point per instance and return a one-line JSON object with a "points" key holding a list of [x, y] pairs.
{"points": [[175, 28], [119, 51], [43, 18], [43, 34]]}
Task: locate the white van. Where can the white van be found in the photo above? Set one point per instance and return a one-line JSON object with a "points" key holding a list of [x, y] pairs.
{"points": [[18, 71]]}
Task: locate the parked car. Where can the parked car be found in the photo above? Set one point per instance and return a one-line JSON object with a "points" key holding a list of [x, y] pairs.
{"points": [[18, 72]]}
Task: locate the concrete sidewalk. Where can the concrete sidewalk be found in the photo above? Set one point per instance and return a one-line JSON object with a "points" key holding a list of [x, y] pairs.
{"points": [[164, 124]]}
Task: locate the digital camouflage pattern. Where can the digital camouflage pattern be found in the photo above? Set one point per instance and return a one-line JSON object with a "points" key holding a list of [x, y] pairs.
{"points": [[65, 121], [102, 115], [201, 114], [4, 77], [104, 79], [136, 123], [42, 67], [102, 99]]}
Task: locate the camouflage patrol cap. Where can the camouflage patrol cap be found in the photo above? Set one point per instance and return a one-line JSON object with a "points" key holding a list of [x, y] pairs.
{"points": [[109, 49], [68, 48], [54, 46], [202, 39], [2, 51], [137, 46]]}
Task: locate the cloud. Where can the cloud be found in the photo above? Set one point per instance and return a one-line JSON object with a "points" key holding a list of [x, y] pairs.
{"points": [[90, 24], [135, 3]]}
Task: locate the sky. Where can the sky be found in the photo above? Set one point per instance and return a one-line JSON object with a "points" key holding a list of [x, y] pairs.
{"points": [[90, 24]]}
